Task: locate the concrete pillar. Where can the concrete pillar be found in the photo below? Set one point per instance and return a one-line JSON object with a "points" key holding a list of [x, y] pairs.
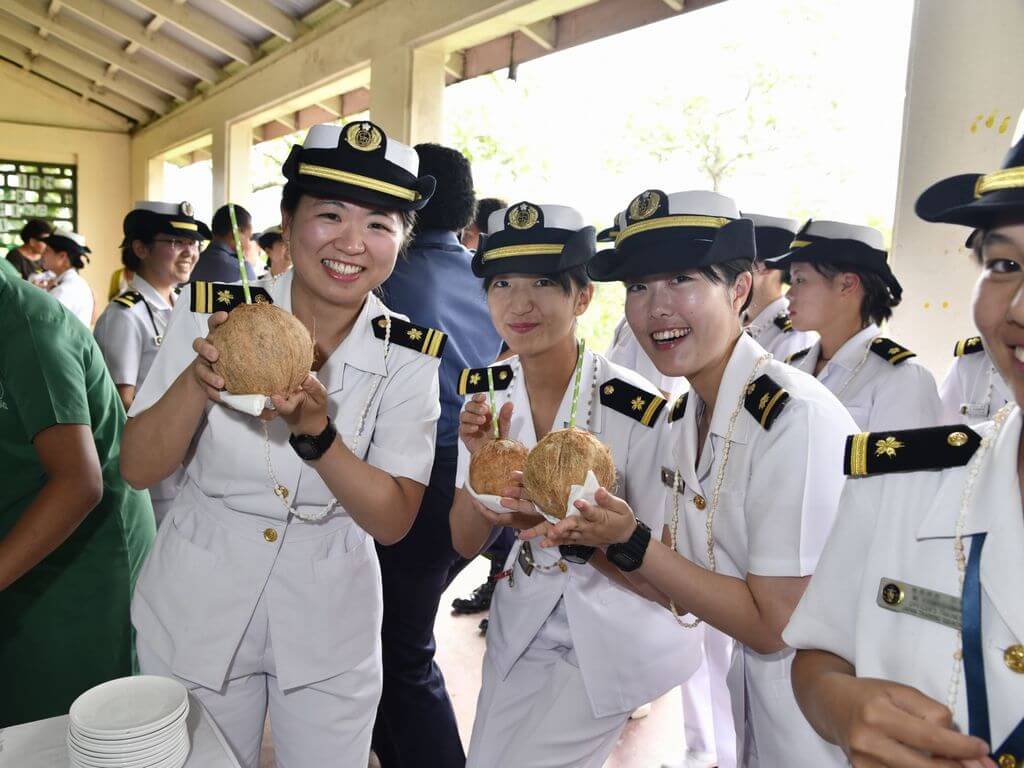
{"points": [[153, 184], [964, 95], [232, 152], [407, 93]]}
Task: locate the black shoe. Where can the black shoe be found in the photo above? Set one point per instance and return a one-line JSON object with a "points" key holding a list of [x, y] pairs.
{"points": [[479, 601], [483, 626]]}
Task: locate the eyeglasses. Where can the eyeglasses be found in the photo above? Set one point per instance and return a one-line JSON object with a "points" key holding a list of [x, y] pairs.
{"points": [[176, 243]]}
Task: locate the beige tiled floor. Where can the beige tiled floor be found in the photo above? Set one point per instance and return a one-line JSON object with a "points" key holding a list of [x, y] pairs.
{"points": [[646, 743]]}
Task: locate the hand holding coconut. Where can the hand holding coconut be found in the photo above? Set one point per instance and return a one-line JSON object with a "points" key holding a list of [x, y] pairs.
{"points": [[609, 521], [206, 356], [476, 427], [305, 409]]}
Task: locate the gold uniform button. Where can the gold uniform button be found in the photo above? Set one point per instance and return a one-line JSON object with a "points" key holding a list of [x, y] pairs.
{"points": [[957, 439], [1014, 658], [270, 535], [1006, 760], [699, 502]]}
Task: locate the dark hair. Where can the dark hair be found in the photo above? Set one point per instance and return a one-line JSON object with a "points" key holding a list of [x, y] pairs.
{"points": [[35, 229], [292, 194], [268, 240], [222, 221], [484, 209], [128, 257], [452, 205], [726, 273], [877, 303], [566, 279], [78, 260]]}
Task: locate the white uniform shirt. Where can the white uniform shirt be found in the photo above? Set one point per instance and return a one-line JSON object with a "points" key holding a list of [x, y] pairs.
{"points": [[626, 351], [629, 650], [772, 330], [877, 393], [71, 290], [229, 539], [129, 338], [777, 502], [973, 390], [900, 527]]}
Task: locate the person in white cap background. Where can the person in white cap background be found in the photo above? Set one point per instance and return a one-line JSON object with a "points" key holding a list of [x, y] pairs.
{"points": [[753, 464], [912, 631], [159, 249], [262, 592], [571, 651], [767, 317], [842, 287], [65, 254], [273, 244]]}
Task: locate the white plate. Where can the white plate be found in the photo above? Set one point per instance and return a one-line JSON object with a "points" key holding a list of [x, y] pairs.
{"points": [[97, 744], [131, 754], [174, 758], [129, 706]]}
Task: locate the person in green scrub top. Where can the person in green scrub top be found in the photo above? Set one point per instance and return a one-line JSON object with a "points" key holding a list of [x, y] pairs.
{"points": [[73, 534]]}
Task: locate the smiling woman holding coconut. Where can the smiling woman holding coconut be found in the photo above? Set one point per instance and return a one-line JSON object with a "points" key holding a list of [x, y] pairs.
{"points": [[263, 591], [754, 458], [570, 650]]}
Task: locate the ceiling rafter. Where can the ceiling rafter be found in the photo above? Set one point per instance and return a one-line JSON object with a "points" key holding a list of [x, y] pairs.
{"points": [[203, 27], [268, 16]]}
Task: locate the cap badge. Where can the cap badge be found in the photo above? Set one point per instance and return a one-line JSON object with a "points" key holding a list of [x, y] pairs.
{"points": [[365, 137], [523, 216], [186, 208], [644, 205]]}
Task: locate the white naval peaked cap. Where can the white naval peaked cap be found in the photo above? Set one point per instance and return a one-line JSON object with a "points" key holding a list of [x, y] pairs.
{"points": [[554, 217], [328, 135], [74, 237], [761, 220], [698, 202], [840, 230]]}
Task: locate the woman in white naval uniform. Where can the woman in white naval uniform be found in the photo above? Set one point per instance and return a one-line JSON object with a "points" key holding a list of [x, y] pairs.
{"points": [[571, 651], [973, 390], [130, 330], [262, 591], [767, 317], [752, 462], [842, 287], [65, 254], [913, 626]]}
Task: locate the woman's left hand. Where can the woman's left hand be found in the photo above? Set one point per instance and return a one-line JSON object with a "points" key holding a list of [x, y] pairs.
{"points": [[304, 410], [609, 521]]}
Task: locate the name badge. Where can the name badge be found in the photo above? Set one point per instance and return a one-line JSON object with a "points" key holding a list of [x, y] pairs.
{"points": [[975, 410], [668, 477], [900, 597], [524, 558]]}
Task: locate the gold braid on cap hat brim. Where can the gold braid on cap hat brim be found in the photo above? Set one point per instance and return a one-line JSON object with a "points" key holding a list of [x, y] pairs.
{"points": [[667, 222], [358, 180], [1009, 178]]}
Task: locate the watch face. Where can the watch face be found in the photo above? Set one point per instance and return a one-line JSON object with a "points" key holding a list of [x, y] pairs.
{"points": [[306, 448]]}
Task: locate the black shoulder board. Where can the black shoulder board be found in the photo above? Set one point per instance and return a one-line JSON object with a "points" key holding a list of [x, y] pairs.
{"points": [[474, 380], [783, 323], [418, 337], [128, 298], [909, 450], [968, 346], [890, 350], [208, 298], [798, 356], [632, 401], [765, 400], [679, 408]]}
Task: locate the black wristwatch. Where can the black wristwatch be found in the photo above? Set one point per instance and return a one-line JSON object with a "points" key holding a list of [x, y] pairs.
{"points": [[312, 447], [575, 553], [630, 555]]}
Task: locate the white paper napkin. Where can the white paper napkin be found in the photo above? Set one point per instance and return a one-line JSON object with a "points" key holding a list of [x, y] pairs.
{"points": [[489, 500], [250, 404]]}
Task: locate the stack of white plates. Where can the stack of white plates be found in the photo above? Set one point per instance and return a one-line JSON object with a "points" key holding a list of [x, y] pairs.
{"points": [[132, 722]]}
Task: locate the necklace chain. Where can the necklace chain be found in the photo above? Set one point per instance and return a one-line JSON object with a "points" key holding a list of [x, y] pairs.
{"points": [[712, 508]]}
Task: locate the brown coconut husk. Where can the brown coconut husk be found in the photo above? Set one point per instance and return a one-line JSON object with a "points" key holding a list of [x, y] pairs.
{"points": [[491, 468], [561, 460], [264, 350]]}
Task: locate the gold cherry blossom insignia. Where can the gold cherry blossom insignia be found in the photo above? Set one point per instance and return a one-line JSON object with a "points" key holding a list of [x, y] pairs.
{"points": [[887, 447], [638, 403], [224, 297], [474, 379], [415, 334]]}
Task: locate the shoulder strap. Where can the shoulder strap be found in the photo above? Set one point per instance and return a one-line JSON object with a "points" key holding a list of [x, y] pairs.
{"points": [[909, 450], [890, 351], [128, 299], [765, 400], [474, 380], [208, 298], [968, 346], [632, 401], [420, 338]]}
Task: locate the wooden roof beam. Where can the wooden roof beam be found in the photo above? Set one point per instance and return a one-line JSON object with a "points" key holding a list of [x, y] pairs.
{"points": [[203, 27], [268, 16], [543, 33]]}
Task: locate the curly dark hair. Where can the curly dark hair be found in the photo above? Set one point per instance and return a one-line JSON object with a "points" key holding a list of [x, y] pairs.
{"points": [[454, 201], [35, 229], [485, 206]]}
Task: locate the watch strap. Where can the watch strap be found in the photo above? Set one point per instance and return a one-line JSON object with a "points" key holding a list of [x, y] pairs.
{"points": [[629, 555]]}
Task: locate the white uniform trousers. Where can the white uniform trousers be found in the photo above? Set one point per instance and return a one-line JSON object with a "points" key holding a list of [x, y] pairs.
{"points": [[707, 708], [540, 715], [328, 723]]}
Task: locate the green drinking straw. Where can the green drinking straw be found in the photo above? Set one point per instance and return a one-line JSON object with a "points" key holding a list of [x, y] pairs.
{"points": [[576, 384], [494, 407], [238, 252]]}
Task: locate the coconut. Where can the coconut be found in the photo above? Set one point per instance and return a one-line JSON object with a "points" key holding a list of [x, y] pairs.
{"points": [[263, 350], [492, 466], [561, 460]]}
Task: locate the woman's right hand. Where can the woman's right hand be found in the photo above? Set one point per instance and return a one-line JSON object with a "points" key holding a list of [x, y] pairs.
{"points": [[206, 355], [881, 723], [475, 427]]}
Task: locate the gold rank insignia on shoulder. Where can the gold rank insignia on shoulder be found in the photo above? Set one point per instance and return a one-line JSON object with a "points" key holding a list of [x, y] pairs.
{"points": [[418, 337], [128, 299], [679, 407], [783, 323], [968, 346], [474, 380], [909, 450], [765, 400], [890, 351], [208, 298], [796, 357], [632, 401]]}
